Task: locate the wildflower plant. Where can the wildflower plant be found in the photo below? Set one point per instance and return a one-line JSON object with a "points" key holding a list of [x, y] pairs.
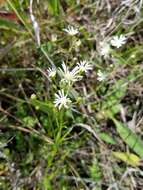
{"points": [[62, 94]]}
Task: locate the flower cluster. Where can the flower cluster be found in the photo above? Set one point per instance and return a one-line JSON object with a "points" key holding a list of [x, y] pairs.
{"points": [[68, 77]]}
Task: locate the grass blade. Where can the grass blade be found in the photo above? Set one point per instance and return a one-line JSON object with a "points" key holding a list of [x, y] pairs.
{"points": [[130, 138]]}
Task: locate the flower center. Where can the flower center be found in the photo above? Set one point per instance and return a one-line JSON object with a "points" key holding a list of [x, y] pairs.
{"points": [[63, 100], [69, 76]]}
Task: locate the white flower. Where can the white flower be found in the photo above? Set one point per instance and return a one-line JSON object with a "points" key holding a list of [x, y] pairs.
{"points": [[54, 37], [101, 76], [71, 30], [104, 49], [61, 100], [118, 41], [52, 72], [133, 56], [84, 66], [33, 96], [70, 76]]}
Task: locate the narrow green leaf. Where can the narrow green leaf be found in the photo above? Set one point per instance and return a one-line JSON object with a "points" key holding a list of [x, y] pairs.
{"points": [[54, 6], [9, 25], [22, 17], [130, 138], [107, 138], [128, 158], [114, 97]]}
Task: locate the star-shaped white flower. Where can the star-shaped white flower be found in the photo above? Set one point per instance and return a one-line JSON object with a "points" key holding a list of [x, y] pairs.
{"points": [[52, 72], [101, 76], [61, 100], [71, 30], [105, 49], [70, 76], [84, 66], [118, 41]]}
